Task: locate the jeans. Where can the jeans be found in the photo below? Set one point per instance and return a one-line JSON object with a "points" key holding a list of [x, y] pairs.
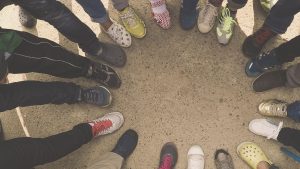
{"points": [[58, 15], [96, 10], [282, 15], [293, 111], [25, 153], [290, 137]]}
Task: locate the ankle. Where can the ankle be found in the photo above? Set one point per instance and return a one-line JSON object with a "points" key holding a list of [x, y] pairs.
{"points": [[106, 25], [263, 165]]}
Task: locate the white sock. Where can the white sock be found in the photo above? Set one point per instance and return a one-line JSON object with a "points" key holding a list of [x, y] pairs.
{"points": [[159, 9]]}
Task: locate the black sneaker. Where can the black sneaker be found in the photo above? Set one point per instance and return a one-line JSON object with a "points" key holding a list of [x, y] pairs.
{"points": [[104, 75], [270, 80], [111, 54], [168, 156], [97, 95], [254, 43], [26, 19], [126, 144]]}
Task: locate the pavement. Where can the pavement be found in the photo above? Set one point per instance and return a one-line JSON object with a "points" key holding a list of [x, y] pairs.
{"points": [[179, 86]]}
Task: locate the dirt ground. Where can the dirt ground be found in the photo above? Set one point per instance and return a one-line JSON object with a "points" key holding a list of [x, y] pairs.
{"points": [[179, 86]]}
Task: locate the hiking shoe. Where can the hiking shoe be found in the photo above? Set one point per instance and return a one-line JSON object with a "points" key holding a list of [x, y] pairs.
{"points": [[168, 156], [107, 124], [273, 107], [99, 96], [270, 80], [225, 26], [223, 160], [255, 42], [195, 158], [132, 22], [111, 54], [119, 34], [161, 14], [263, 127], [207, 18], [263, 63], [104, 75], [26, 19], [267, 4], [188, 14], [126, 144]]}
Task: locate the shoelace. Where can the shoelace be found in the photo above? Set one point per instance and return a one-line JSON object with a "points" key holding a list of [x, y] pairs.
{"points": [[101, 126], [262, 35], [91, 96], [278, 108], [129, 18], [208, 11], [166, 163], [227, 20]]}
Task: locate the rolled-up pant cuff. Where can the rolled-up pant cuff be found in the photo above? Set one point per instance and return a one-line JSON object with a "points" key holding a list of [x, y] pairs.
{"points": [[121, 6], [101, 20]]}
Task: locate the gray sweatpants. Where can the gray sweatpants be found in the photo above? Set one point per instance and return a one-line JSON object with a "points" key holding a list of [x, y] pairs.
{"points": [[108, 161], [293, 76]]}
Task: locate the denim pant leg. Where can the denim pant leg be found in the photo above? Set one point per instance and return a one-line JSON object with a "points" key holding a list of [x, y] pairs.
{"points": [[120, 4], [282, 15], [95, 9], [293, 111], [236, 4]]}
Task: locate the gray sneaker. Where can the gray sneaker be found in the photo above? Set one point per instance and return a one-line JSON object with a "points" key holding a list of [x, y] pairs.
{"points": [[97, 95], [223, 160]]}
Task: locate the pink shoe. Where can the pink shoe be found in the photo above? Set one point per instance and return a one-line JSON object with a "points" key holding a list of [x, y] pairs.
{"points": [[161, 14]]}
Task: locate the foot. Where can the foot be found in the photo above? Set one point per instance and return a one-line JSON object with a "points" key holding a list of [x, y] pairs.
{"points": [[265, 62], [188, 14], [161, 14], [265, 128], [273, 108], [223, 160], [225, 26], [99, 96], [270, 80], [195, 158], [26, 19], [126, 144], [254, 43], [207, 18], [132, 22], [168, 156], [107, 124], [119, 34], [111, 54], [104, 75]]}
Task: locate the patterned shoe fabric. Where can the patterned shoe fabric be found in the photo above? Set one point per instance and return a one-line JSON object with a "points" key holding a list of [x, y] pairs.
{"points": [[163, 18]]}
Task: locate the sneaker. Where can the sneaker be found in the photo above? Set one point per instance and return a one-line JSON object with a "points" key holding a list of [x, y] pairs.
{"points": [[195, 158], [273, 108], [188, 14], [223, 160], [267, 4], [109, 53], [132, 22], [99, 96], [263, 63], [161, 14], [126, 144], [168, 156], [263, 127], [207, 18], [119, 34], [269, 80], [107, 124], [225, 26], [104, 75], [26, 19], [255, 42]]}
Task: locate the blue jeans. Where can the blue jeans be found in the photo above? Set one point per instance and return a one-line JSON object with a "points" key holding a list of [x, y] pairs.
{"points": [[282, 15], [293, 111]]}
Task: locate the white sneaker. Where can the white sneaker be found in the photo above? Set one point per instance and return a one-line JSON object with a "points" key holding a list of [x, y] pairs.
{"points": [[195, 158], [119, 34], [207, 18], [107, 124], [265, 128]]}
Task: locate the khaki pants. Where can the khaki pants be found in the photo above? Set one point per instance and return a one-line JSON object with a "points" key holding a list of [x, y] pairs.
{"points": [[108, 161]]}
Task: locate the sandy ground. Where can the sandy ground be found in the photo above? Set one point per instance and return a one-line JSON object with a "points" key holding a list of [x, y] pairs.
{"points": [[179, 86]]}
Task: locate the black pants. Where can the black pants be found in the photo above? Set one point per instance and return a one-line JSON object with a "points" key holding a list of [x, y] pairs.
{"points": [[290, 137], [42, 56], [58, 15], [24, 153], [288, 51]]}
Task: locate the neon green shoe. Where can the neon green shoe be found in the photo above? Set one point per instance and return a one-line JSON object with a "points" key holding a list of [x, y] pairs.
{"points": [[225, 26], [267, 4], [132, 22]]}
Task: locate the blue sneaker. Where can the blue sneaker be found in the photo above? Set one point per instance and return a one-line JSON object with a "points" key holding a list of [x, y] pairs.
{"points": [[188, 14]]}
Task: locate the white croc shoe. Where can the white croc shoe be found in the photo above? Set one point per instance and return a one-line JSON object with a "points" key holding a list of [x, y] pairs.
{"points": [[265, 128], [195, 158], [119, 34]]}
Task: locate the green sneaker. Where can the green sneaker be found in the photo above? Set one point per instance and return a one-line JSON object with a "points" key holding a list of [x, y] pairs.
{"points": [[267, 4], [225, 26]]}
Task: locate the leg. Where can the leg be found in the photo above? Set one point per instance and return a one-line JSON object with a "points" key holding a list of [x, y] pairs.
{"points": [[234, 5], [288, 51], [290, 137], [282, 15], [293, 76], [120, 4], [30, 93], [29, 152], [108, 161]]}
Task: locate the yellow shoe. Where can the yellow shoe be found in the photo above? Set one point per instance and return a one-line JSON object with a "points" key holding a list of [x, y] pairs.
{"points": [[132, 22]]}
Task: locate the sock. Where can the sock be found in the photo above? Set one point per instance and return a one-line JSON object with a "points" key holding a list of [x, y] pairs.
{"points": [[158, 6]]}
